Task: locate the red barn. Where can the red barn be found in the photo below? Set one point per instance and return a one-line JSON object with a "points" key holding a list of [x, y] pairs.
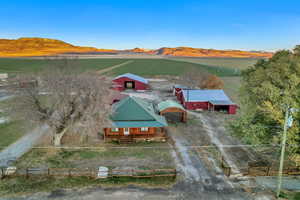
{"points": [[214, 100], [130, 81]]}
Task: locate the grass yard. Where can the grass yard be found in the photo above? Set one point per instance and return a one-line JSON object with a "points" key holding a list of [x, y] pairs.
{"points": [[152, 67], [13, 129], [21, 185], [232, 86], [11, 132], [236, 63], [14, 65], [110, 155], [134, 157]]}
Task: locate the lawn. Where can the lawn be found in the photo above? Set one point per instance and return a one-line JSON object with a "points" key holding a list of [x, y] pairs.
{"points": [[152, 67], [136, 156], [13, 129], [13, 65], [21, 185], [11, 132], [236, 63]]}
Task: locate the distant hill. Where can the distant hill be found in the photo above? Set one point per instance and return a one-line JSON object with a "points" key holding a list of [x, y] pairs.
{"points": [[47, 47], [40, 47]]}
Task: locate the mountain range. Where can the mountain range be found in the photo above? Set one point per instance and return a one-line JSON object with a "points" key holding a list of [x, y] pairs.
{"points": [[26, 47]]}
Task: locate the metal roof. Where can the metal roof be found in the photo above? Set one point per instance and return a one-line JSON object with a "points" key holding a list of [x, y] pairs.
{"points": [[181, 86], [136, 112], [206, 96], [134, 77], [169, 104], [222, 102]]}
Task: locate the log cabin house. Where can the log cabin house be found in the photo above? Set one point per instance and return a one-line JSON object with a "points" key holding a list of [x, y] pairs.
{"points": [[135, 119]]}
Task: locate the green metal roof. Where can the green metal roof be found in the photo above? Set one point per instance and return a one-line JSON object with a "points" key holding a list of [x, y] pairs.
{"points": [[169, 104], [136, 112]]}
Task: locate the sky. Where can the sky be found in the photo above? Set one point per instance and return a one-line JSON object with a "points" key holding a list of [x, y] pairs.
{"points": [[123, 24]]}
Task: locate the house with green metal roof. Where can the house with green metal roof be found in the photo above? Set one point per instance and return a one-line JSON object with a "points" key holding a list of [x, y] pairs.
{"points": [[133, 117]]}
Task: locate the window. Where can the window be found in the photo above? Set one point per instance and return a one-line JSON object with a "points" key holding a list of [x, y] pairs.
{"points": [[144, 129], [114, 130]]}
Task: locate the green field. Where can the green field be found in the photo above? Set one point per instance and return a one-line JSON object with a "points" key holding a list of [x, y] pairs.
{"points": [[13, 65], [151, 67], [148, 67], [236, 63]]}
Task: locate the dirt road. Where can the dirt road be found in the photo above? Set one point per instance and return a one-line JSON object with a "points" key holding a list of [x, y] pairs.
{"points": [[102, 71]]}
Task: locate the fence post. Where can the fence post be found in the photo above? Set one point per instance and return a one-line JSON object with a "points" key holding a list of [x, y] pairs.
{"points": [[48, 172], [69, 172], [249, 170], [27, 175], [2, 173], [268, 170]]}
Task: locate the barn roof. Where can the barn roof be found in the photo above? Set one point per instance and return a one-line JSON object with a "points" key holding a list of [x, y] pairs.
{"points": [[213, 96], [169, 104], [134, 77], [136, 112], [180, 86]]}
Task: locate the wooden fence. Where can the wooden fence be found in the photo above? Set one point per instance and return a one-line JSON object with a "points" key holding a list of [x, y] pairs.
{"points": [[92, 173], [270, 171], [226, 168]]}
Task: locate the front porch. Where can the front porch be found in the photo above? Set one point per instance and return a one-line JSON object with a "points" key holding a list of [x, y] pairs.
{"points": [[135, 134]]}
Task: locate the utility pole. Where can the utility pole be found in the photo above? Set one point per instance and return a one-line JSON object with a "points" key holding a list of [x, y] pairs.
{"points": [[283, 143]]}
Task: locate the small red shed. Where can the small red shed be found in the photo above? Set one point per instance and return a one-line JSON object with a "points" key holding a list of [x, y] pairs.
{"points": [[214, 100], [130, 81]]}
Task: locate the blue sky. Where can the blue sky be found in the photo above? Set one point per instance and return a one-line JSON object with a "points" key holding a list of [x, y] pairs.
{"points": [[219, 24]]}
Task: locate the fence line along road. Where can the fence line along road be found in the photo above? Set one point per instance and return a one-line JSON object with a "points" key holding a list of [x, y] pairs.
{"points": [[86, 172]]}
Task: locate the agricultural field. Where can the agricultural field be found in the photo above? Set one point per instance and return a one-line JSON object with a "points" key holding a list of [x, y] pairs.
{"points": [[13, 65], [152, 67], [235, 63], [146, 67]]}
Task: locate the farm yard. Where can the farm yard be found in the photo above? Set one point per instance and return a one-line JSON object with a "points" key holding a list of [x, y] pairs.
{"points": [[194, 149]]}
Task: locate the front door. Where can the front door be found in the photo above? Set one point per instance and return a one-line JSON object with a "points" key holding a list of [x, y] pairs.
{"points": [[126, 131]]}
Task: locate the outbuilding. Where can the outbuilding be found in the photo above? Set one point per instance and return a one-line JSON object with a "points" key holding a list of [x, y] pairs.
{"points": [[213, 100], [130, 81], [172, 110]]}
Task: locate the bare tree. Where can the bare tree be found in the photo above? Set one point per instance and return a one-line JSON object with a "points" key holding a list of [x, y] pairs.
{"points": [[66, 99], [193, 78]]}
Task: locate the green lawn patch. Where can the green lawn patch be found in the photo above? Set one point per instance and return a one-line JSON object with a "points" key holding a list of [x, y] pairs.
{"points": [[21, 185], [11, 132]]}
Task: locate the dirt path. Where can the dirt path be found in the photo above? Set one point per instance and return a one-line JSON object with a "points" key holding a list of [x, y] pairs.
{"points": [[102, 71], [237, 157], [24, 144]]}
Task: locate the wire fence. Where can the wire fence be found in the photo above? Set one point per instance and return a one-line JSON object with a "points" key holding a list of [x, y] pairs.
{"points": [[86, 172]]}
